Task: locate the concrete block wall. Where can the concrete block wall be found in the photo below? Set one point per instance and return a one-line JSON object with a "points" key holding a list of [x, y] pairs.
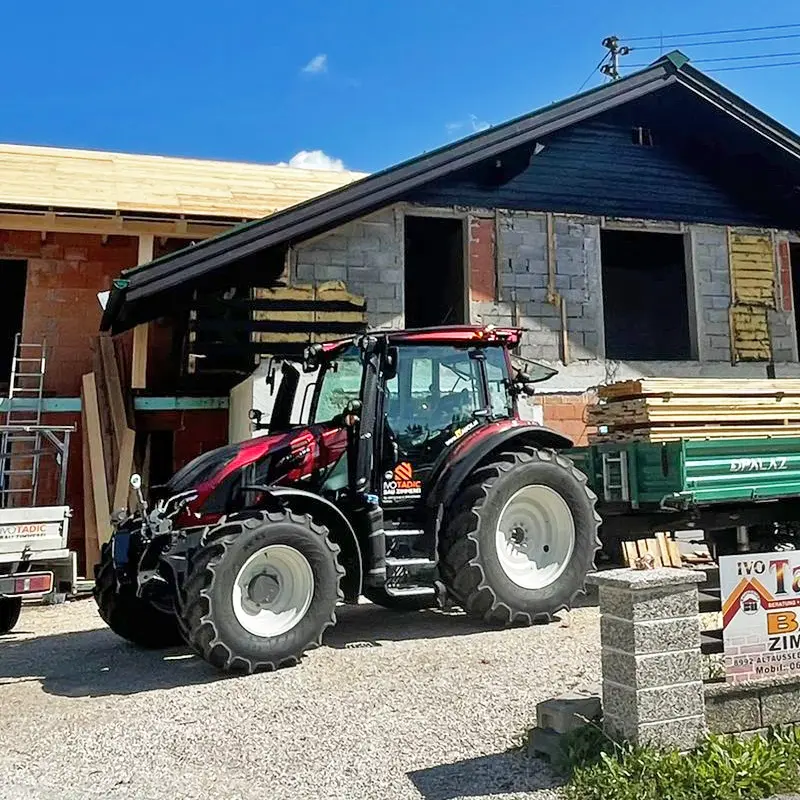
{"points": [[367, 255], [754, 707], [522, 294], [708, 260]]}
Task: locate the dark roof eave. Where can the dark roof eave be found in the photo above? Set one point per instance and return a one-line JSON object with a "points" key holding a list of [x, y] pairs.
{"points": [[742, 111], [376, 191]]}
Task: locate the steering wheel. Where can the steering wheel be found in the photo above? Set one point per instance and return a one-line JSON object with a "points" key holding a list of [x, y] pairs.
{"points": [[442, 411]]}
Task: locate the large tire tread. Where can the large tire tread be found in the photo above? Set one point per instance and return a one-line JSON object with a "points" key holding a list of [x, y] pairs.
{"points": [[196, 611], [10, 609], [460, 546], [133, 618]]}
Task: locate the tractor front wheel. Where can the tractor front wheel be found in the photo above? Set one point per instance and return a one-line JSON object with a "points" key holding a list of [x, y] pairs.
{"points": [[133, 618], [10, 608], [261, 591], [521, 538]]}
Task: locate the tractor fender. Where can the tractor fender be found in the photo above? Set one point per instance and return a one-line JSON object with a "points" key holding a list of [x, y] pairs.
{"points": [[479, 447], [340, 530]]}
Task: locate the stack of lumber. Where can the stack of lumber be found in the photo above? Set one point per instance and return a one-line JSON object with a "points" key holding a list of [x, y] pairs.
{"points": [[660, 551], [666, 409]]}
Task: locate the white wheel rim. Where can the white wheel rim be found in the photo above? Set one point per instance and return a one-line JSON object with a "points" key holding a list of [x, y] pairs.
{"points": [[273, 590], [535, 537]]}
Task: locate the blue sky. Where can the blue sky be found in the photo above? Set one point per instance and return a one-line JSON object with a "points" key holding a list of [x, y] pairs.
{"points": [[367, 83]]}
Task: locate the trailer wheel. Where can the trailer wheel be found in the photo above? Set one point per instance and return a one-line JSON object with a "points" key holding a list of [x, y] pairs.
{"points": [[261, 593], [10, 608], [521, 539], [131, 617]]}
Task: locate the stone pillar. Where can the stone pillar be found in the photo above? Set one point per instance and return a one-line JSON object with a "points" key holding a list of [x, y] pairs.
{"points": [[651, 660]]}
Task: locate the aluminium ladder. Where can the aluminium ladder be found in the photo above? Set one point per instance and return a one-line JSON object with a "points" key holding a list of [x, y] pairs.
{"points": [[21, 441]]}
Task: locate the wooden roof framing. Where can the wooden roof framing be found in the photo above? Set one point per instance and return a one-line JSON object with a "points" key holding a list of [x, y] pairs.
{"points": [[85, 181]]}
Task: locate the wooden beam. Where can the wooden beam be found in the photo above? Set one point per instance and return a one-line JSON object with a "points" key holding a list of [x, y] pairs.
{"points": [[139, 360], [91, 543], [111, 226], [124, 471], [94, 434], [113, 386]]}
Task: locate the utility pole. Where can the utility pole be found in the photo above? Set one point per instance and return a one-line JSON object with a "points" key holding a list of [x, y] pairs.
{"points": [[611, 43]]}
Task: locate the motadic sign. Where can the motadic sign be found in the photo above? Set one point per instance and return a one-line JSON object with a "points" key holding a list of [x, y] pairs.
{"points": [[761, 615]]}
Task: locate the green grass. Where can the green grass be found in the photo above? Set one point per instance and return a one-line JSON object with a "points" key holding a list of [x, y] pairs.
{"points": [[721, 768]]}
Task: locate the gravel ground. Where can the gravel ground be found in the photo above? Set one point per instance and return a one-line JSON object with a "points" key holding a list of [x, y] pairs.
{"points": [[418, 705]]}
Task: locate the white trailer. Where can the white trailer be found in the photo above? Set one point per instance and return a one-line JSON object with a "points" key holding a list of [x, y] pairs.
{"points": [[35, 560]]}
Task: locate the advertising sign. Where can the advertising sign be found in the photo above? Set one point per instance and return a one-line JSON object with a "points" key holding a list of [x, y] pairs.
{"points": [[761, 615]]}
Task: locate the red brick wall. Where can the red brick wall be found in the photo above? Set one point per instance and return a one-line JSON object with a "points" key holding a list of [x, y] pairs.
{"points": [[482, 259], [65, 273], [200, 432], [566, 413]]}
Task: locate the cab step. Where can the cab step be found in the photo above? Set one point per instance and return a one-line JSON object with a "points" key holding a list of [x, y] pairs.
{"points": [[409, 562], [410, 591]]}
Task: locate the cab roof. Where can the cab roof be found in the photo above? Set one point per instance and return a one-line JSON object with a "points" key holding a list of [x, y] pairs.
{"points": [[444, 335]]}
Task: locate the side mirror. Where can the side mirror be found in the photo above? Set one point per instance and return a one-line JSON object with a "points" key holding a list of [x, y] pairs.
{"points": [[312, 356], [136, 482], [270, 377]]}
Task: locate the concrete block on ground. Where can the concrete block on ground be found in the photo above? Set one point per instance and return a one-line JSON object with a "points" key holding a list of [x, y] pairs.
{"points": [[567, 711]]}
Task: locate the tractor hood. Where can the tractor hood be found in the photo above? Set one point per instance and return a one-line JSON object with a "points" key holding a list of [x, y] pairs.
{"points": [[274, 459]]}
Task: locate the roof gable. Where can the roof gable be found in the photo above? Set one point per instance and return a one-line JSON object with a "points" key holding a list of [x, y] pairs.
{"points": [[170, 273], [639, 160]]}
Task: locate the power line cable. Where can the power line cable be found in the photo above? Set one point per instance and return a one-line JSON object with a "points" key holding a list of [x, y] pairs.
{"points": [[729, 58], [745, 58], [755, 66], [589, 76], [709, 33], [721, 41]]}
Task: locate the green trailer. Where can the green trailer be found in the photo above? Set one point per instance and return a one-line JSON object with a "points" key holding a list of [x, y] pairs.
{"points": [[729, 488]]}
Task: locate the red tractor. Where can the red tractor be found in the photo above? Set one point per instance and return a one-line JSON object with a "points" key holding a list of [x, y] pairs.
{"points": [[413, 481]]}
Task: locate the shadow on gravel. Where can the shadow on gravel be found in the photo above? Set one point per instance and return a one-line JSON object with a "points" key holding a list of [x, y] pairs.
{"points": [[500, 773], [96, 663], [369, 625]]}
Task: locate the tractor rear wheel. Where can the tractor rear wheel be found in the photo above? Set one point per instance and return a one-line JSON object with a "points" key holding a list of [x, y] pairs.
{"points": [[261, 591], [133, 618], [521, 538], [10, 608]]}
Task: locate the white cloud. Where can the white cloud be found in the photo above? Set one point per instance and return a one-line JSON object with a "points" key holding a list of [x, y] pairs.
{"points": [[466, 126], [317, 65], [314, 159]]}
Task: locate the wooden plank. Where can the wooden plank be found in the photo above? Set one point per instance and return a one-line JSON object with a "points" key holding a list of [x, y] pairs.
{"points": [[139, 359], [629, 553], [124, 471], [113, 387], [674, 553], [91, 543], [663, 548], [97, 463], [652, 549]]}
